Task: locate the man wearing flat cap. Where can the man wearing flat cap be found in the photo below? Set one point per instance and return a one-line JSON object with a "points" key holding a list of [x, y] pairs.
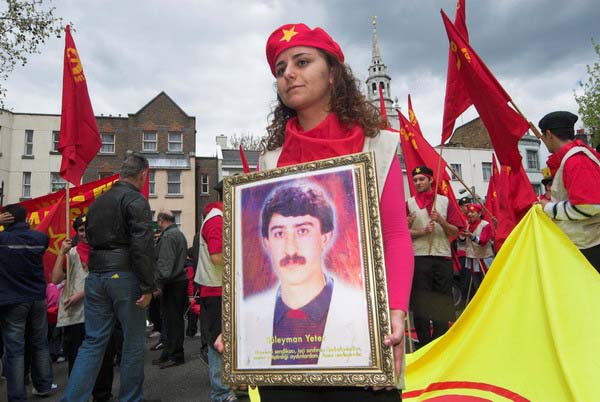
{"points": [[431, 230], [575, 193]]}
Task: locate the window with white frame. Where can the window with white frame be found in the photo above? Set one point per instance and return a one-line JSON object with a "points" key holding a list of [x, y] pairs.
{"points": [[56, 182], [152, 183], [204, 184], [26, 193], [486, 168], [28, 143], [532, 160], [457, 167], [149, 141], [108, 143], [55, 138], [177, 216], [175, 143], [173, 182]]}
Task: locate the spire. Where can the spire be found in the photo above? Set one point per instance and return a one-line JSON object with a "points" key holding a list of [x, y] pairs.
{"points": [[376, 59]]}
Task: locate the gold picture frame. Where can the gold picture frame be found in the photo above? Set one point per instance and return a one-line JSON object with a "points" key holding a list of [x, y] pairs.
{"points": [[263, 344]]}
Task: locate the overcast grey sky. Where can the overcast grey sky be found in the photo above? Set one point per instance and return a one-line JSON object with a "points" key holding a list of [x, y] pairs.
{"points": [[209, 56]]}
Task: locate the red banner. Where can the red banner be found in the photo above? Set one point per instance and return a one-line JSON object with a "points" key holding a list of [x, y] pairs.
{"points": [[504, 125], [79, 140], [47, 214], [457, 98]]}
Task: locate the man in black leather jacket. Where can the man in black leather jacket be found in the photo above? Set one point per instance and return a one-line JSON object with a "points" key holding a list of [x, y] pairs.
{"points": [[120, 282]]}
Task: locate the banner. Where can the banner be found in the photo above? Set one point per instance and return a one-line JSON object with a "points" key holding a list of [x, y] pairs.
{"points": [[47, 214], [79, 139], [529, 334]]}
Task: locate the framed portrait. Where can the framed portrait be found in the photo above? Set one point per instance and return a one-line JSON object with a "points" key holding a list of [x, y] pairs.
{"points": [[304, 288]]}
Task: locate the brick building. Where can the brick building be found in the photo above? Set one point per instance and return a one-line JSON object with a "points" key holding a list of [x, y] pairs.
{"points": [[29, 159]]}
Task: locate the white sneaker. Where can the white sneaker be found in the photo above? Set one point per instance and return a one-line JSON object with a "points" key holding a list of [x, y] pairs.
{"points": [[35, 392], [60, 359]]}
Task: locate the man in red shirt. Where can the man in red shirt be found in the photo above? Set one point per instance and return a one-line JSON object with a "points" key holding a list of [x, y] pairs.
{"points": [[575, 198]]}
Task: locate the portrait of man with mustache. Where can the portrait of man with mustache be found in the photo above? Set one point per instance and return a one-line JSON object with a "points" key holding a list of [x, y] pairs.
{"points": [[311, 317]]}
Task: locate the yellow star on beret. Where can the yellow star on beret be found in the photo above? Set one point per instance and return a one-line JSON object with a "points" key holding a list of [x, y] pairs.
{"points": [[418, 170], [288, 34]]}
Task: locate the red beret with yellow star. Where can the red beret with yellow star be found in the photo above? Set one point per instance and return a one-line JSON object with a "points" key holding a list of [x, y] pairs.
{"points": [[474, 208], [290, 35]]}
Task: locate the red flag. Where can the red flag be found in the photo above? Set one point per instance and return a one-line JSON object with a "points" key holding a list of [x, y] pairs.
{"points": [[244, 160], [515, 197], [146, 187], [385, 122], [457, 99], [505, 125], [79, 140], [418, 152], [47, 214], [491, 198]]}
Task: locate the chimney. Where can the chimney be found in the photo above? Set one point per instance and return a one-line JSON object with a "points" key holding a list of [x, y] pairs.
{"points": [[222, 141]]}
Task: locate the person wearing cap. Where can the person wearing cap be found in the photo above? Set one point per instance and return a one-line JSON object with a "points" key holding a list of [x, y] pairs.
{"points": [[70, 308], [478, 239], [209, 275], [575, 193], [431, 232], [547, 195], [321, 113]]}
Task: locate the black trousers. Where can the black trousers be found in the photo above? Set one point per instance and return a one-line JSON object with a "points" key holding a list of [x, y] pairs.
{"points": [[154, 314], [210, 318], [73, 338], [431, 297], [593, 256], [173, 302], [327, 394]]}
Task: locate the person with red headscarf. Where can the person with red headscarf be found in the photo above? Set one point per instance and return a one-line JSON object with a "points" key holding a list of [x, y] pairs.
{"points": [[478, 239], [320, 114]]}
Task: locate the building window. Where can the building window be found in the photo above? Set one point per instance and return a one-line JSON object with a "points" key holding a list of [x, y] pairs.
{"points": [[457, 169], [56, 182], [26, 185], [175, 142], [204, 186], [174, 182], [486, 168], [539, 188], [108, 144], [152, 183], [149, 142], [55, 138], [532, 160], [177, 216], [28, 143]]}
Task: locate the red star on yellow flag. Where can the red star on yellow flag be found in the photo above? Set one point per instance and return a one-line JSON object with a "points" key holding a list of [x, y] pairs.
{"points": [[288, 34]]}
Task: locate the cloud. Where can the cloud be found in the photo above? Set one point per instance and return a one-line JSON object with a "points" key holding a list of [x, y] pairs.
{"points": [[209, 56]]}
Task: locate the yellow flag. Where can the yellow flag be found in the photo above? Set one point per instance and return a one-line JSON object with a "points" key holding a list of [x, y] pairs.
{"points": [[531, 333]]}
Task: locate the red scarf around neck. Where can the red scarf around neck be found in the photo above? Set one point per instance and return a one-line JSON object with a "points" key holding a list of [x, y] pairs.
{"points": [[84, 251], [329, 139], [425, 200]]}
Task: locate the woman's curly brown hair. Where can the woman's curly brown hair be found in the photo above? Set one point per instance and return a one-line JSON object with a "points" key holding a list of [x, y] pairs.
{"points": [[347, 102]]}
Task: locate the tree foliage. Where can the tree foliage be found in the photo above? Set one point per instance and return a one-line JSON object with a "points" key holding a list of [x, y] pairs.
{"points": [[25, 25], [248, 142], [589, 101]]}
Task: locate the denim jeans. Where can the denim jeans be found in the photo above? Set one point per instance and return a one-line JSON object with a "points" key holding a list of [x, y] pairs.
{"points": [[218, 391], [110, 296], [13, 320]]}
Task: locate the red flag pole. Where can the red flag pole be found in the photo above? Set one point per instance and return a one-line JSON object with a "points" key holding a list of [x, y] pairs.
{"points": [[244, 160], [475, 196], [68, 275], [437, 181], [531, 125]]}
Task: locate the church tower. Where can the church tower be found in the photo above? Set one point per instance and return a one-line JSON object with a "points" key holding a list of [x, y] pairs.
{"points": [[378, 77]]}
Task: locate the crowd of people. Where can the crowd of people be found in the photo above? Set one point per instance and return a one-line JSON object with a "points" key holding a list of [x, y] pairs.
{"points": [[118, 268]]}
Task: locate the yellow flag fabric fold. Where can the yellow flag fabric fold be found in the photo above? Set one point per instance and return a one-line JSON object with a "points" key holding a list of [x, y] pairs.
{"points": [[531, 333]]}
